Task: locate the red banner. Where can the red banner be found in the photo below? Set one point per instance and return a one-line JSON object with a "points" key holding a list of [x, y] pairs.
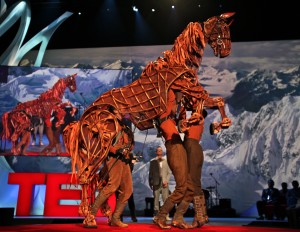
{"points": [[55, 193]]}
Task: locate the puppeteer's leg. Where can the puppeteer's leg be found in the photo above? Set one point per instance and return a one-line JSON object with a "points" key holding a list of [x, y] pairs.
{"points": [[114, 180], [106, 211], [116, 217], [200, 211], [156, 194], [195, 162], [178, 220], [34, 133], [124, 194], [131, 206], [41, 132], [56, 140], [177, 160], [160, 218]]}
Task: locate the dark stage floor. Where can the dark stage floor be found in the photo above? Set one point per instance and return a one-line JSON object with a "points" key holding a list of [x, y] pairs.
{"points": [[25, 224]]}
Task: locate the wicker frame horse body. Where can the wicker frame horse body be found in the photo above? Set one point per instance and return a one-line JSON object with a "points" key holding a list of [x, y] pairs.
{"points": [[17, 122], [88, 141]]}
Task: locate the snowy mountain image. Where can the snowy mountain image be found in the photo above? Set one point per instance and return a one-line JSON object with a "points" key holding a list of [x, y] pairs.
{"points": [[260, 84], [27, 83]]}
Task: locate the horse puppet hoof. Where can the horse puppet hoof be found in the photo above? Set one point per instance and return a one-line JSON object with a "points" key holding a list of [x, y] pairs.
{"points": [[90, 226], [90, 222], [214, 128], [226, 122]]}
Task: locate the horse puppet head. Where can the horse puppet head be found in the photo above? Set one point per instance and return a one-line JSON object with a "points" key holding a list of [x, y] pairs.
{"points": [[189, 46], [217, 34], [71, 82]]}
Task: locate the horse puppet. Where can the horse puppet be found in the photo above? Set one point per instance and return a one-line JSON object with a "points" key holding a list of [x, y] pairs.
{"points": [[17, 123], [89, 140]]}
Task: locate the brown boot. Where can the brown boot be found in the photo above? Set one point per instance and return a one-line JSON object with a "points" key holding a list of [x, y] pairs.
{"points": [[99, 201], [106, 211], [178, 220], [204, 210], [160, 218], [200, 217], [115, 220]]}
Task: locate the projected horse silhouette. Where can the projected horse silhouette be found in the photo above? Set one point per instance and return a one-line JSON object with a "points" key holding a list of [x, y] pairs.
{"points": [[89, 140], [17, 122]]}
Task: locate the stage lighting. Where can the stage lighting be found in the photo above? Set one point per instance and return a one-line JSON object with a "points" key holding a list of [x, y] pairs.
{"points": [[134, 8]]}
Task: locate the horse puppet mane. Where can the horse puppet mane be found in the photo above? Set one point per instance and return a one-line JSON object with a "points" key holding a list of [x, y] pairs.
{"points": [[188, 47], [145, 98]]}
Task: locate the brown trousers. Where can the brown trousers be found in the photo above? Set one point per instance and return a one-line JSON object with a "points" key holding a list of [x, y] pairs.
{"points": [[178, 163], [119, 179], [195, 162]]}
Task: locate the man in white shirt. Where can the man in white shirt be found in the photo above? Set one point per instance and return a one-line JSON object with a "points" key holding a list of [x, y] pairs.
{"points": [[159, 177]]}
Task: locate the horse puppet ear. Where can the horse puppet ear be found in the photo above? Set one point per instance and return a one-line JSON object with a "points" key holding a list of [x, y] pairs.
{"points": [[227, 16]]}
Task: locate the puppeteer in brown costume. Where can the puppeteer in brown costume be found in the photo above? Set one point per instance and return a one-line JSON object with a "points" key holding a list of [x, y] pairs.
{"points": [[193, 129], [119, 178], [177, 161]]}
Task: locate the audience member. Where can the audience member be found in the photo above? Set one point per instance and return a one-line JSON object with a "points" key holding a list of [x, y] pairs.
{"points": [[268, 204], [293, 205], [281, 213], [159, 177], [282, 193], [293, 195]]}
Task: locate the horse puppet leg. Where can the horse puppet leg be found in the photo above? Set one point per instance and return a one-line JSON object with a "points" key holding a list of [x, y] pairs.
{"points": [[19, 147], [22, 146], [218, 103], [14, 148], [84, 208], [21, 127]]}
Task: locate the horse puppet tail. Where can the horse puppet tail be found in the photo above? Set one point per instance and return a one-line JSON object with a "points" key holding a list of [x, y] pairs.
{"points": [[6, 132]]}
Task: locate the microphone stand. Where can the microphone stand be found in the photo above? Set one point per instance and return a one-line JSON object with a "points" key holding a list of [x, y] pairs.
{"points": [[217, 183], [210, 199]]}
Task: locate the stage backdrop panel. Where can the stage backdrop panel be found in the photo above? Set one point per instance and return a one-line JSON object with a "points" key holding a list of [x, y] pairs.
{"points": [[21, 84]]}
